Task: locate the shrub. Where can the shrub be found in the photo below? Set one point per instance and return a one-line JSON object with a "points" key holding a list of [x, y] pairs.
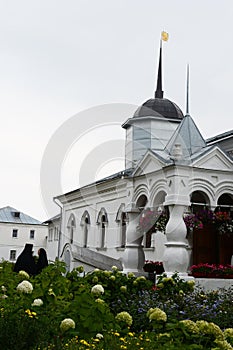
{"points": [[61, 311]]}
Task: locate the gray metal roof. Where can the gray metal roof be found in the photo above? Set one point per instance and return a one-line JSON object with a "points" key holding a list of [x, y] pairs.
{"points": [[188, 136], [125, 173], [12, 215], [220, 137], [159, 107], [54, 218]]}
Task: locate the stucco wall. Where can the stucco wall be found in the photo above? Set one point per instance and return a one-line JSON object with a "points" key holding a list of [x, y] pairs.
{"points": [[9, 243]]}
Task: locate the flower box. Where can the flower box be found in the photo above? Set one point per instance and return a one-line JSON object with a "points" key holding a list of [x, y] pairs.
{"points": [[212, 271], [153, 266], [210, 275]]}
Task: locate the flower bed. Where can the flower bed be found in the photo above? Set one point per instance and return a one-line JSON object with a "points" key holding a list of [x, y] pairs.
{"points": [[109, 310], [212, 271]]}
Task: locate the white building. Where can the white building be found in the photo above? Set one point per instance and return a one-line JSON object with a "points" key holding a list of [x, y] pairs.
{"points": [[168, 166], [17, 229], [53, 239]]}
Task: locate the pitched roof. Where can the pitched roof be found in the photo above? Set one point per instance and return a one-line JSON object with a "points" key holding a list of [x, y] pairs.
{"points": [[120, 174], [188, 137], [12, 215], [220, 137], [54, 218]]}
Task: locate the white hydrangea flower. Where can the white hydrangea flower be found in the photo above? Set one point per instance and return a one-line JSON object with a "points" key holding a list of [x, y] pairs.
{"points": [[114, 268], [24, 274], [124, 317], [37, 302], [99, 336], [98, 300], [156, 314], [97, 289], [25, 287], [4, 296], [4, 289], [131, 275], [66, 324]]}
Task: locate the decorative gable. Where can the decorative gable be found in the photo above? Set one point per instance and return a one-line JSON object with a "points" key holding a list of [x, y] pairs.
{"points": [[149, 164], [214, 159]]}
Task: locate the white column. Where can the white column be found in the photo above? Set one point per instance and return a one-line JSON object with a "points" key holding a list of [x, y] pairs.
{"points": [[133, 258], [176, 255]]}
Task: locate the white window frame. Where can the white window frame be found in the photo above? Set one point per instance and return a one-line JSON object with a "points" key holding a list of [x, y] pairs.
{"points": [[33, 234], [12, 252], [15, 230]]}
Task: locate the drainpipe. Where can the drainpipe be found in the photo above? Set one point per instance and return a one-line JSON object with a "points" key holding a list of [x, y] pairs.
{"points": [[59, 238]]}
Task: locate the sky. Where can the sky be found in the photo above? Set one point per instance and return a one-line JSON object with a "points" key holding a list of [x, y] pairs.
{"points": [[68, 65]]}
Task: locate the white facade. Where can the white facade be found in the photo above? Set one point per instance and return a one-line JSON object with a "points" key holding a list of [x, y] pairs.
{"points": [[17, 232], [168, 166], [151, 185], [53, 237]]}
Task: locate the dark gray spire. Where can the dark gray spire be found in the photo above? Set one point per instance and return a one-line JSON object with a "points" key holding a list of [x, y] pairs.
{"points": [[187, 92], [159, 91]]}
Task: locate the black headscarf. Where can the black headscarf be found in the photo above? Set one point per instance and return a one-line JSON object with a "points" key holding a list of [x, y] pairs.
{"points": [[42, 260], [25, 261]]}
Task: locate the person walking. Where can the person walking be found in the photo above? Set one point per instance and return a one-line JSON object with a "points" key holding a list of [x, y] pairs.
{"points": [[25, 261], [42, 260]]}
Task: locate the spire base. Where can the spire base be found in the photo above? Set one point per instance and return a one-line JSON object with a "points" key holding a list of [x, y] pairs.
{"points": [[158, 94]]}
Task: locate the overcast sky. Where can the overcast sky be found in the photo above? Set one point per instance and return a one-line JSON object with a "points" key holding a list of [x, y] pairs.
{"points": [[58, 58]]}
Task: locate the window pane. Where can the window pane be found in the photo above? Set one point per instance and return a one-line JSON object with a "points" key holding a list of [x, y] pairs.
{"points": [[12, 254], [15, 233]]}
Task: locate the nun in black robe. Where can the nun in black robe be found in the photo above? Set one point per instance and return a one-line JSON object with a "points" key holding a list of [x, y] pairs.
{"points": [[42, 260], [25, 261]]}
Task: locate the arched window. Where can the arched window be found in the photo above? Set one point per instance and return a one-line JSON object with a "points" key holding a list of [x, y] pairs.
{"points": [[85, 223], [225, 203], [67, 259], [123, 229], [121, 218], [141, 202], [102, 221], [103, 231], [199, 200], [71, 227]]}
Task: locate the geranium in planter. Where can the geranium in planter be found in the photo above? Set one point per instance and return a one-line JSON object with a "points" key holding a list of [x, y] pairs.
{"points": [[212, 270], [192, 222], [206, 216], [224, 223], [153, 266], [228, 271], [201, 270], [226, 228]]}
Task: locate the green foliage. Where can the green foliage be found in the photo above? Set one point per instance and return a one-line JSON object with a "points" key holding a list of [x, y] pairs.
{"points": [[125, 313], [173, 286]]}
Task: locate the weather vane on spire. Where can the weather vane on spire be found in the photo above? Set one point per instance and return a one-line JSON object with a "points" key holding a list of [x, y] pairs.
{"points": [[159, 91], [164, 36]]}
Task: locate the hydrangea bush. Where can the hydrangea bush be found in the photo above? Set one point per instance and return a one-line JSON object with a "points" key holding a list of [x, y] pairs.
{"points": [[108, 309]]}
